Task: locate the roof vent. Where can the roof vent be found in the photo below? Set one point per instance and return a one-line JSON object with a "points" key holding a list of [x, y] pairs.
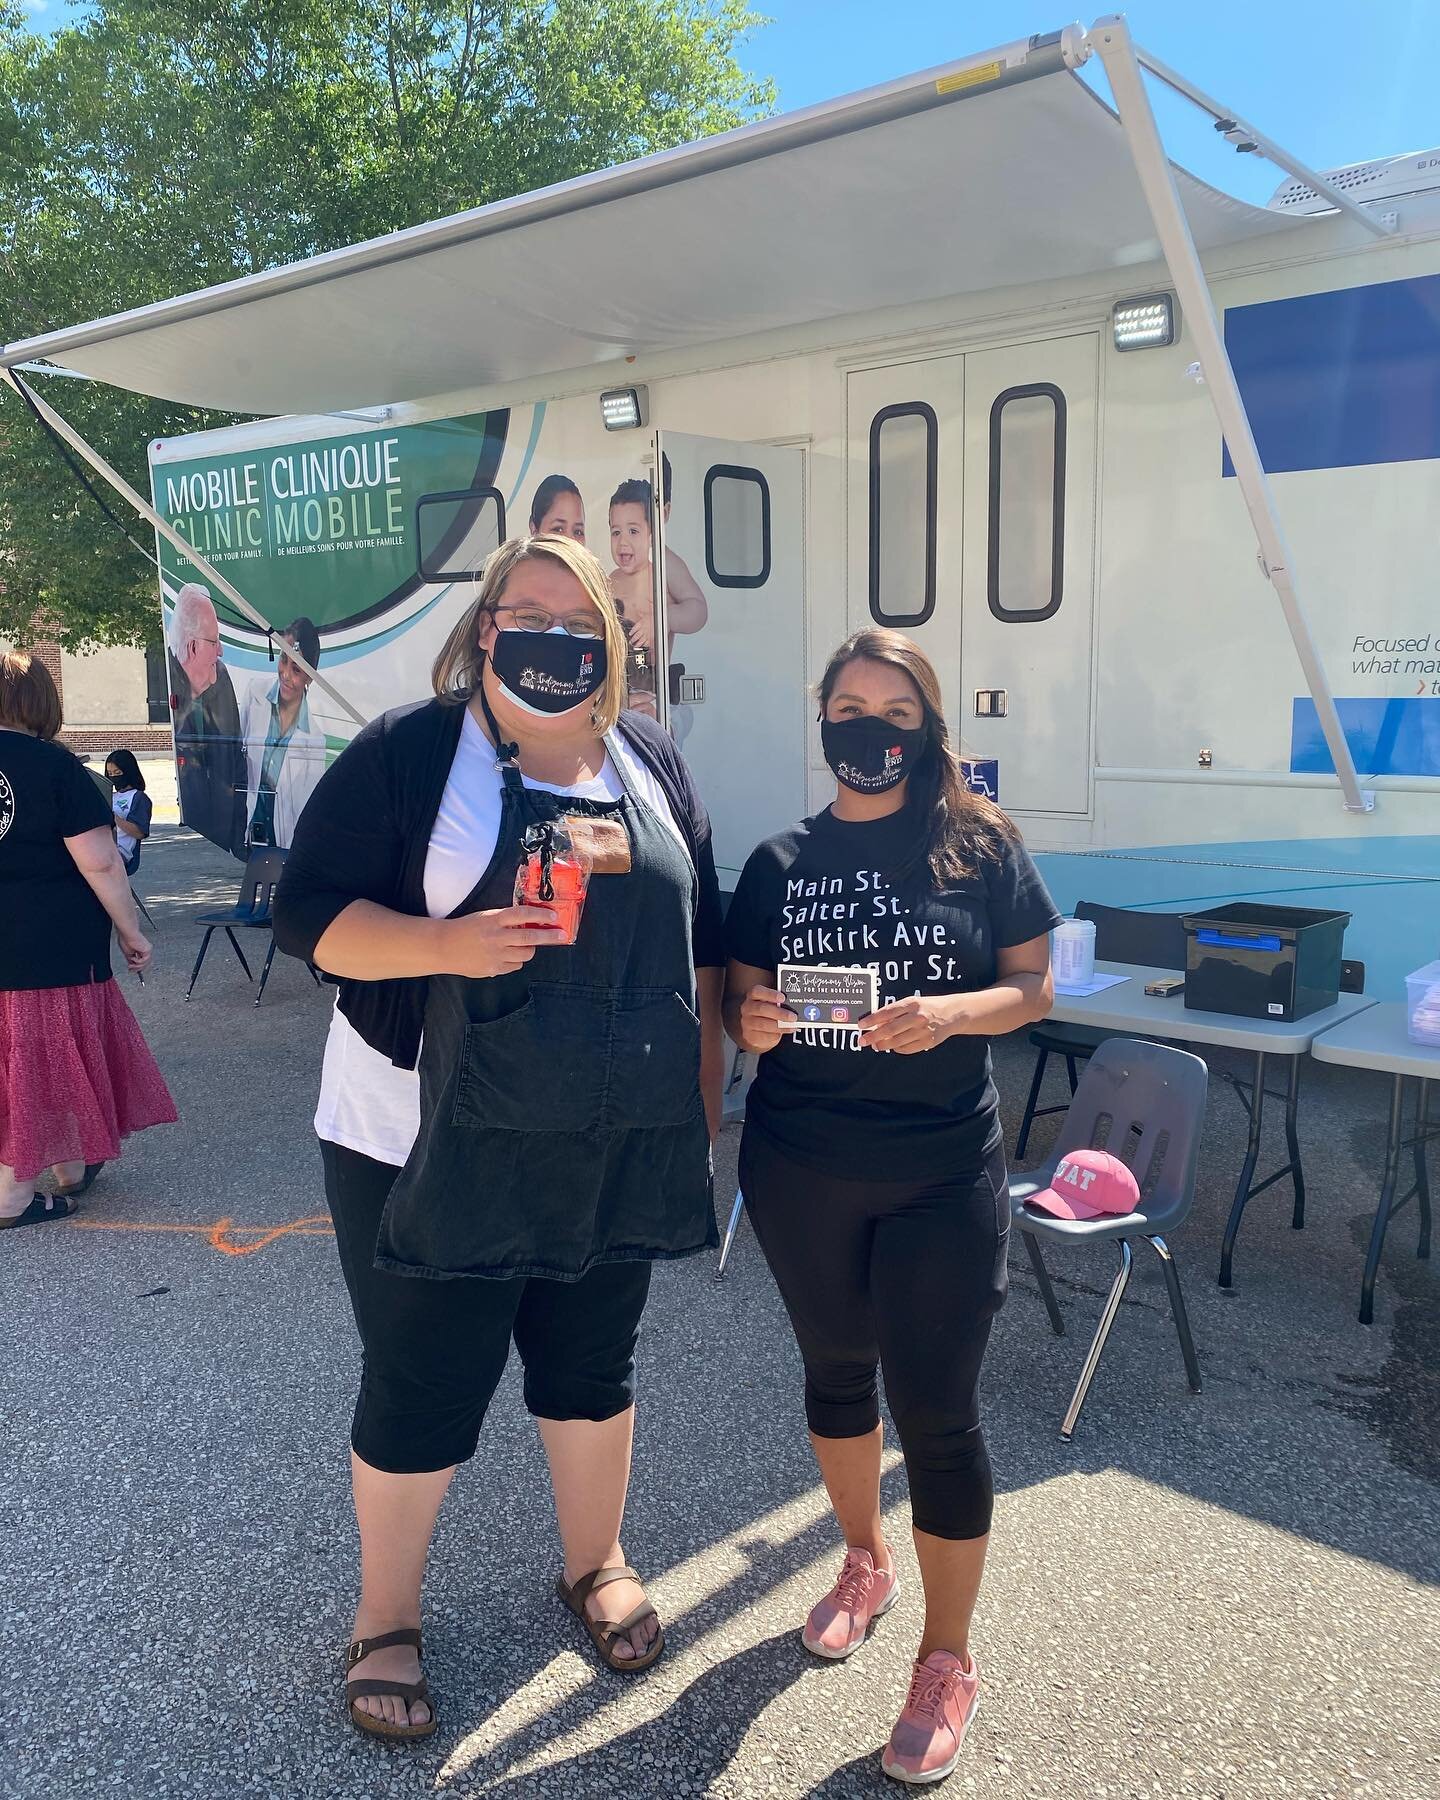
{"points": [[1390, 178]]}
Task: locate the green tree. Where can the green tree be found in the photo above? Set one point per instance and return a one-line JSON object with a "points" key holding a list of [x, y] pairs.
{"points": [[162, 145]]}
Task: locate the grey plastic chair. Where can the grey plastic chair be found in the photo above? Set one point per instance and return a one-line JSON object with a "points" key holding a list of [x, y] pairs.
{"points": [[1145, 1104]]}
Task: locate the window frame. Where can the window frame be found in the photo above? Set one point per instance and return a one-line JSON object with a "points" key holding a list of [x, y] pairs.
{"points": [[441, 577], [905, 409], [1027, 615], [737, 472]]}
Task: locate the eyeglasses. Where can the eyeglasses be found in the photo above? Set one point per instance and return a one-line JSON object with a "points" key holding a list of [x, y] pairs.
{"points": [[526, 618]]}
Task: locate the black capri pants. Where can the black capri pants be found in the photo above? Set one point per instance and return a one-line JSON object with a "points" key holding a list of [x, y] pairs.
{"points": [[434, 1351], [906, 1275]]}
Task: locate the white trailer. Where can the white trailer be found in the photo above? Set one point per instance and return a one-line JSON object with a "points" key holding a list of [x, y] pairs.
{"points": [[962, 354]]}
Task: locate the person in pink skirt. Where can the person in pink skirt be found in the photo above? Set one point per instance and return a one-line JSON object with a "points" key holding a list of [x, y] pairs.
{"points": [[76, 1075]]}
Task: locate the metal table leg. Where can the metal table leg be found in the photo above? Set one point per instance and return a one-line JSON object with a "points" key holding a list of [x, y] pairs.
{"points": [[1393, 1139], [1396, 1144], [1247, 1187]]}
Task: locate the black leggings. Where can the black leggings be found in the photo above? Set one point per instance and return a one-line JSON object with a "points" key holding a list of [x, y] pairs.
{"points": [[435, 1350], [904, 1274]]}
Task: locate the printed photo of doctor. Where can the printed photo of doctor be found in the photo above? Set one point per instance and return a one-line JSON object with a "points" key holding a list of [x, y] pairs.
{"points": [[284, 751]]}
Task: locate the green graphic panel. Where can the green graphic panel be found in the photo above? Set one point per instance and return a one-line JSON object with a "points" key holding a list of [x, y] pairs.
{"points": [[323, 527]]}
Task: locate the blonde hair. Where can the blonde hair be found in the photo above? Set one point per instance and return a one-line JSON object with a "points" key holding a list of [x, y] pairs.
{"points": [[456, 674]]}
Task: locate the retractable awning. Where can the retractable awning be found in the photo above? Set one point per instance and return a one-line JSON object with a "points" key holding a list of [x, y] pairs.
{"points": [[997, 171]]}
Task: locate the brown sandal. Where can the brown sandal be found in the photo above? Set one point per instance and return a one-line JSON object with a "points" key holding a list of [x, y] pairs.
{"points": [[604, 1634], [367, 1687]]}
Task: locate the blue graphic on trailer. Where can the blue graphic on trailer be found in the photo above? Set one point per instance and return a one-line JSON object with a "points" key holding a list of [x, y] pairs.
{"points": [[1386, 737], [982, 776], [1341, 379]]}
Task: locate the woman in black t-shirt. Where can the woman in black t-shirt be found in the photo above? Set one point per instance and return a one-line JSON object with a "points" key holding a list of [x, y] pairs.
{"points": [[872, 1164], [76, 1076]]}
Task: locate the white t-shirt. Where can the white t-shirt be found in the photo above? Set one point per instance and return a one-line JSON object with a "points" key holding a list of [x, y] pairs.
{"points": [[366, 1103]]}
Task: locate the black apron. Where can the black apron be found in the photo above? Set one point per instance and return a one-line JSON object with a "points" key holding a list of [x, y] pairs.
{"points": [[561, 1123]]}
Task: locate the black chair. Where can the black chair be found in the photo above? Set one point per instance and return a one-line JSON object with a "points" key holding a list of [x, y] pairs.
{"points": [[251, 912], [1145, 1104], [1148, 939]]}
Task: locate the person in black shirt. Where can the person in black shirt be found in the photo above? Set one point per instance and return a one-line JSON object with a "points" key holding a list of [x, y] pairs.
{"points": [[76, 1076], [872, 1162]]}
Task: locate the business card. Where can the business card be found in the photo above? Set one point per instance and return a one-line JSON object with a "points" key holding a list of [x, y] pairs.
{"points": [[828, 996]]}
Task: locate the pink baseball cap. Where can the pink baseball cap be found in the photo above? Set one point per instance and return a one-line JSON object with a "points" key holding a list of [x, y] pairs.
{"points": [[1089, 1184]]}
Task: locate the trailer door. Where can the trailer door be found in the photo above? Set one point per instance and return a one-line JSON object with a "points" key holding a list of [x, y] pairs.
{"points": [[1028, 569], [971, 529], [734, 604]]}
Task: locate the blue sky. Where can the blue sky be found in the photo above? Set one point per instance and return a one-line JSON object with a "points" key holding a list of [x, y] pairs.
{"points": [[1333, 83]]}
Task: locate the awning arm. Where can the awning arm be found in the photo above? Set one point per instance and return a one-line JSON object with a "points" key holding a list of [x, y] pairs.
{"points": [[1111, 39], [169, 533], [1244, 136]]}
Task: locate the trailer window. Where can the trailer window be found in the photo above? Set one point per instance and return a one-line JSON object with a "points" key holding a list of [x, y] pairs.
{"points": [[1027, 503], [737, 526], [904, 459], [455, 532]]}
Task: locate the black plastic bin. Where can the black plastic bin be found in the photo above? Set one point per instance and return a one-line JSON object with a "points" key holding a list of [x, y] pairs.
{"points": [[1263, 962]]}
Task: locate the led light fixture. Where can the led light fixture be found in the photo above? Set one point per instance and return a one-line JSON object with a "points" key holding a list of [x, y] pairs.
{"points": [[622, 409], [1147, 322]]}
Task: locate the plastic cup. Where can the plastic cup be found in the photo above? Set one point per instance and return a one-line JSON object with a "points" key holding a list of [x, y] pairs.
{"points": [[571, 882]]}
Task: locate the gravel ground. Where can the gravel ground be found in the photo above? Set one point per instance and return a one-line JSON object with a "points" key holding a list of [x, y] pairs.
{"points": [[1230, 1595]]}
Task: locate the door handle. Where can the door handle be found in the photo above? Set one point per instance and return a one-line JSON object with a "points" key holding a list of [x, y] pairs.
{"points": [[992, 703]]}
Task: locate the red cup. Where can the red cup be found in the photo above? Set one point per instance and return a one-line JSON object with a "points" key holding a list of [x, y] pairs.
{"points": [[570, 881]]}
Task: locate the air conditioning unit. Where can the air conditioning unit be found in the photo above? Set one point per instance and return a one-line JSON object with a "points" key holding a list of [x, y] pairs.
{"points": [[1391, 178]]}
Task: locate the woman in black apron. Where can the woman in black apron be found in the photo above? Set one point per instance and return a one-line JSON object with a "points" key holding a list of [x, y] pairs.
{"points": [[562, 1142]]}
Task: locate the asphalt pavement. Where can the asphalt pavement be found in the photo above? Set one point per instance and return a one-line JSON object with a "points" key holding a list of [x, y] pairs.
{"points": [[1230, 1594]]}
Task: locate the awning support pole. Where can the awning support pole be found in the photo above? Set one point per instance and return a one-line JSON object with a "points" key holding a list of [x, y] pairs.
{"points": [[1239, 131], [169, 533], [1111, 39]]}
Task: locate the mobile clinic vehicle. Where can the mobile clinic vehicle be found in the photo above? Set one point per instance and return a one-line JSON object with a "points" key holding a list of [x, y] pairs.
{"points": [[942, 355]]}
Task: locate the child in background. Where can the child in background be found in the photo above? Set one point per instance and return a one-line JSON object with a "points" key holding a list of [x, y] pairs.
{"points": [[631, 583]]}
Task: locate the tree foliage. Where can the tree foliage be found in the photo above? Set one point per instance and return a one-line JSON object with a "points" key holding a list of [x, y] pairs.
{"points": [[163, 145]]}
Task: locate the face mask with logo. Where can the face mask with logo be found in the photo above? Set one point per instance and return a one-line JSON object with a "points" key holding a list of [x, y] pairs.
{"points": [[548, 672], [870, 755]]}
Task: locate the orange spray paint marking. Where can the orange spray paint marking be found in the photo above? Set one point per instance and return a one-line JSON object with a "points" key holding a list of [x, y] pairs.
{"points": [[222, 1235]]}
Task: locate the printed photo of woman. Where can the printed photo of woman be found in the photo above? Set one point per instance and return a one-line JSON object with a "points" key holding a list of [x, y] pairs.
{"points": [[558, 509], [284, 751]]}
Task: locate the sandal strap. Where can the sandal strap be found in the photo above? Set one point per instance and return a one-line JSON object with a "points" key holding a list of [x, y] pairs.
{"points": [[408, 1691], [361, 1648], [598, 1578], [612, 1629]]}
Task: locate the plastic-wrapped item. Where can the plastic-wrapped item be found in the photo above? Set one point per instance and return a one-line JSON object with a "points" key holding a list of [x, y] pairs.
{"points": [[1423, 994], [554, 872]]}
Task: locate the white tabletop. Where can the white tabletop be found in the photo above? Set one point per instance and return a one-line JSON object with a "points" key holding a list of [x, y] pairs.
{"points": [[1379, 1038], [1129, 1008]]}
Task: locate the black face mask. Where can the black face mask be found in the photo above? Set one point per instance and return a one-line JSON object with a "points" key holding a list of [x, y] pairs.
{"points": [[870, 755], [548, 671]]}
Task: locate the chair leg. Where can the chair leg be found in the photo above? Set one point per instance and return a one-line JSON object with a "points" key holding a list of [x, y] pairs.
{"points": [[204, 946], [1102, 1332], [1177, 1311], [1042, 1277], [144, 910], [314, 974], [235, 946], [1071, 1071], [730, 1231], [1422, 1165], [265, 973], [1041, 1058]]}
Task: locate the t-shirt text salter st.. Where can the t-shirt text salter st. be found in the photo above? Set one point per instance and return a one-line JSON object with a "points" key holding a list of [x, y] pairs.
{"points": [[820, 895]]}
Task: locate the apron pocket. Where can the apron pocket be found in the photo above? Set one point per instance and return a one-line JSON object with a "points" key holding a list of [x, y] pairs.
{"points": [[541, 1068], [655, 1066]]}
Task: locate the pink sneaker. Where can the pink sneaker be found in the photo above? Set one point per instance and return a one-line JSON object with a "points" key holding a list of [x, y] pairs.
{"points": [[925, 1744], [837, 1626]]}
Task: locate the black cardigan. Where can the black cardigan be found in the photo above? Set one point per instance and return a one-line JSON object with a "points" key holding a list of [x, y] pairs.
{"points": [[365, 832]]}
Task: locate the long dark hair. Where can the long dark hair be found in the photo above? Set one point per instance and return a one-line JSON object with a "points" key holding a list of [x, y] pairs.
{"points": [[958, 829], [124, 761], [548, 492]]}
